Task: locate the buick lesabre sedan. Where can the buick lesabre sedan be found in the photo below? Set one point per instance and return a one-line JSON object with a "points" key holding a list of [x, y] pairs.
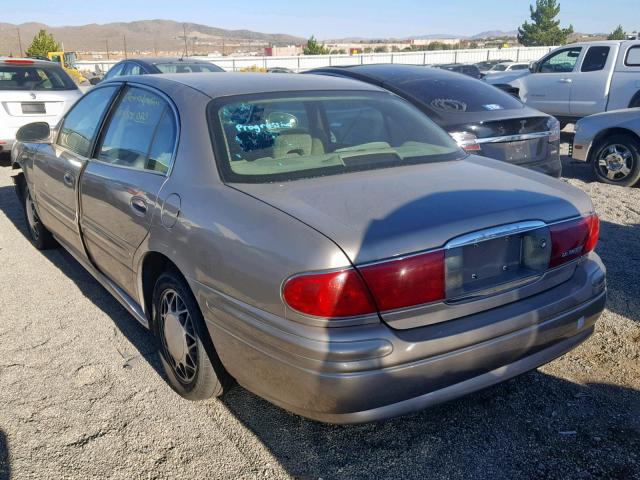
{"points": [[312, 239]]}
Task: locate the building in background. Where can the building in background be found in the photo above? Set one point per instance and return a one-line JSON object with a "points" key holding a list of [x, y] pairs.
{"points": [[286, 51]]}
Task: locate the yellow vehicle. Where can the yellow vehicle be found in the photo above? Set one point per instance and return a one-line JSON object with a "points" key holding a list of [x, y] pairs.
{"points": [[67, 61]]}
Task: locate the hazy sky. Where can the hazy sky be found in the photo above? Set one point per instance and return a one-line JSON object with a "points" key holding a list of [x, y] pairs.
{"points": [[331, 18]]}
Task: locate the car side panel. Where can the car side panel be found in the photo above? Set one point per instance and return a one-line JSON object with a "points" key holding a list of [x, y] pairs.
{"points": [[112, 225]]}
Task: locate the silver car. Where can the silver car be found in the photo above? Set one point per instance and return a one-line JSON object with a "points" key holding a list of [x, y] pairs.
{"points": [[610, 142], [316, 239], [32, 91]]}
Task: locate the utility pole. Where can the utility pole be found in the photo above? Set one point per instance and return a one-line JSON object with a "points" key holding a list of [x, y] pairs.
{"points": [[106, 41], [184, 31], [19, 41], [124, 38]]}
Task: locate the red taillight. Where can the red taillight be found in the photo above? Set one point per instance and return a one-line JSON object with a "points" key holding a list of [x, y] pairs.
{"points": [[331, 294], [466, 140], [406, 282], [19, 62], [394, 284], [572, 239], [410, 281]]}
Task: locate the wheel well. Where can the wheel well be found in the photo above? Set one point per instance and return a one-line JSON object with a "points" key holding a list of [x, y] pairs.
{"points": [[153, 265], [635, 100], [607, 133], [20, 182]]}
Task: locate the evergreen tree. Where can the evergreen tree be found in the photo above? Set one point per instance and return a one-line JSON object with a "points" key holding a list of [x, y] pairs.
{"points": [[545, 29], [315, 48], [618, 34], [42, 44]]}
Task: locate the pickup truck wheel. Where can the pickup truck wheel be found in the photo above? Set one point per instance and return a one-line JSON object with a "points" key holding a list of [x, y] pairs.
{"points": [[617, 161], [38, 233], [187, 353]]}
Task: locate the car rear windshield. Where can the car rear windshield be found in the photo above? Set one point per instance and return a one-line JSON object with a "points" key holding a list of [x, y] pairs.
{"points": [[458, 95], [20, 77], [499, 68], [187, 67], [278, 137]]}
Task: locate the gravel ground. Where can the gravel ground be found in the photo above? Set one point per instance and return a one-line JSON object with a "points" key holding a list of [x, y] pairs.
{"points": [[82, 394]]}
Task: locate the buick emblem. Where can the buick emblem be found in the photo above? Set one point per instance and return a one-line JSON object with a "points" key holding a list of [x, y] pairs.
{"points": [[33, 96]]}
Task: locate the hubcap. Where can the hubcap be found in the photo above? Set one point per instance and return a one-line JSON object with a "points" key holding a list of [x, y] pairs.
{"points": [[32, 217], [616, 162], [178, 336]]}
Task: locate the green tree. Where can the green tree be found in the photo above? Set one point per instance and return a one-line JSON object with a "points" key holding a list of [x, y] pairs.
{"points": [[545, 29], [315, 48], [618, 34], [382, 49], [42, 44]]}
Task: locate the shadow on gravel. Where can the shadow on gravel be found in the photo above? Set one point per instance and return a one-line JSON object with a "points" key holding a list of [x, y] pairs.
{"points": [[5, 466], [618, 248], [90, 288], [534, 426]]}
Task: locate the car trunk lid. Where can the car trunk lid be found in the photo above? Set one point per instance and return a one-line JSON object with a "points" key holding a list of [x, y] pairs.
{"points": [[390, 212]]}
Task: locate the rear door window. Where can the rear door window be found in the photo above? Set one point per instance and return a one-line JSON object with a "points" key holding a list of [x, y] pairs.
{"points": [[116, 70], [34, 78], [633, 57], [141, 132], [187, 67], [134, 69], [80, 126], [595, 59]]}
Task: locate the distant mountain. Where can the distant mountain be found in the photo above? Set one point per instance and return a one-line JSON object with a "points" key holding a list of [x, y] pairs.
{"points": [[494, 34], [434, 36], [144, 35]]}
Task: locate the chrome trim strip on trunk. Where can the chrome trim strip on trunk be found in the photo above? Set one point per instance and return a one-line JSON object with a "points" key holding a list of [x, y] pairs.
{"points": [[494, 232], [512, 138]]}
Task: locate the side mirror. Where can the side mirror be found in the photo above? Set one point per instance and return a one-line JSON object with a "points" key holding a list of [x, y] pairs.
{"points": [[37, 132], [533, 67]]}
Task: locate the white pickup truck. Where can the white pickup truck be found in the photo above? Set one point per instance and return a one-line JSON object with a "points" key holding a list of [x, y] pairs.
{"points": [[582, 79]]}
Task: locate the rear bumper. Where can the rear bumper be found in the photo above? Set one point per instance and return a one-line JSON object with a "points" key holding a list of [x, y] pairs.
{"points": [[372, 372], [549, 163]]}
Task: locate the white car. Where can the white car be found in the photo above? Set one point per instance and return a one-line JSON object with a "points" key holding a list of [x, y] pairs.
{"points": [[32, 91], [508, 67]]}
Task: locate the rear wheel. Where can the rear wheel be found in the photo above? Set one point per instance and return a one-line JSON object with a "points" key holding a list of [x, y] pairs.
{"points": [[188, 356], [38, 233], [617, 160]]}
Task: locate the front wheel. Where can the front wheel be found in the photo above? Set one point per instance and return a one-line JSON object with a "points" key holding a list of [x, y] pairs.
{"points": [[188, 356], [40, 237], [617, 161]]}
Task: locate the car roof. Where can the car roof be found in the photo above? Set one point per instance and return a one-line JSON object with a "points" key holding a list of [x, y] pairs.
{"points": [[215, 85], [393, 73], [169, 60]]}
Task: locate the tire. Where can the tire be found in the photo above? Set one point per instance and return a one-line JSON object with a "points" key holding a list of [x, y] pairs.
{"points": [[617, 160], [40, 237], [188, 356]]}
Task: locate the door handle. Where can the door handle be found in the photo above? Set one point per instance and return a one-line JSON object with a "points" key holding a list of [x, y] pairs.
{"points": [[566, 80], [68, 179], [139, 206]]}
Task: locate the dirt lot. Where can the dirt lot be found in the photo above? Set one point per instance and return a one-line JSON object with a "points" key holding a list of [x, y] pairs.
{"points": [[82, 396]]}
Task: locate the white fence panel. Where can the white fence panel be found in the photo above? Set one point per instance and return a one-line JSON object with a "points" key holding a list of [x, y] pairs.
{"points": [[302, 63]]}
